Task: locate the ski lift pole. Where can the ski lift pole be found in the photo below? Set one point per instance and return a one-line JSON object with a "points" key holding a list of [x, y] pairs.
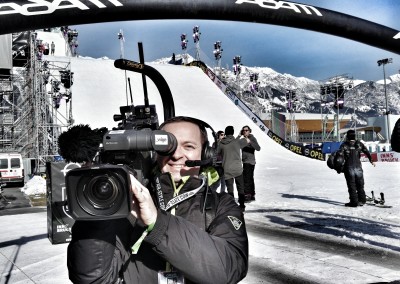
{"points": [[141, 58]]}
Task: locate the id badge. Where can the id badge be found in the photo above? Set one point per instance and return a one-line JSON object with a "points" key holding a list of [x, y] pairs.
{"points": [[170, 277]]}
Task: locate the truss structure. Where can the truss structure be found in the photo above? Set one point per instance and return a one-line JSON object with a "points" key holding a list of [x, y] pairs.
{"points": [[334, 90], [38, 108]]}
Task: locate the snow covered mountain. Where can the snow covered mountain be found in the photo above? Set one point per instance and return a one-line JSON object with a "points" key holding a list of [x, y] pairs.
{"points": [[362, 98]]}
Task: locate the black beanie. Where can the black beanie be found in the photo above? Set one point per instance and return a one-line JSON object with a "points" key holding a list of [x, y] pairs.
{"points": [[351, 135], [229, 130]]}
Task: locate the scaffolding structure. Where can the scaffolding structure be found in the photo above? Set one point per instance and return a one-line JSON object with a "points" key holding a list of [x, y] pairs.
{"points": [[291, 101], [332, 97], [33, 114]]}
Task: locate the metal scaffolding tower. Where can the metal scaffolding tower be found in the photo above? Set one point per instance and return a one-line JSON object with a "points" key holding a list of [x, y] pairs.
{"points": [[291, 101], [332, 97], [38, 107]]}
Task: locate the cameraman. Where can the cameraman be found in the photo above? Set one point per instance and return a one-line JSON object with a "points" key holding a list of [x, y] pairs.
{"points": [[167, 236], [395, 138]]}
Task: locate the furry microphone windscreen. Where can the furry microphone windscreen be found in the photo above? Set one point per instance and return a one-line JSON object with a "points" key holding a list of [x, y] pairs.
{"points": [[80, 143]]}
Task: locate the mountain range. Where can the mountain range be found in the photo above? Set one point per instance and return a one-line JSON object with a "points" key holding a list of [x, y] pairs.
{"points": [[362, 99]]}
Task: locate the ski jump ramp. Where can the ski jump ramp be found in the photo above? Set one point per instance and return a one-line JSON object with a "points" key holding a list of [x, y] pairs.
{"points": [[100, 89]]}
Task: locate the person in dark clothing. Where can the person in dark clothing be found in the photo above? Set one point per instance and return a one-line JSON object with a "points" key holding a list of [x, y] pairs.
{"points": [[395, 139], [249, 163], [218, 166], [353, 172], [230, 148], [169, 235], [52, 47]]}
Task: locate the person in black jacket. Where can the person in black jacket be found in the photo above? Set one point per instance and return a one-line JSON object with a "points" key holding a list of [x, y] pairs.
{"points": [[395, 139], [249, 163], [179, 229], [230, 149], [353, 171], [218, 163]]}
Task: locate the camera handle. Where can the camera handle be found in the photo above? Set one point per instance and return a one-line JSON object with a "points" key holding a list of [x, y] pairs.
{"points": [[156, 77]]}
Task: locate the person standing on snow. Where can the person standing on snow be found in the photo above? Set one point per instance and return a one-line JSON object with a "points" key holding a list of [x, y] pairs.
{"points": [[52, 48], [230, 148], [353, 171], [249, 163], [218, 164]]}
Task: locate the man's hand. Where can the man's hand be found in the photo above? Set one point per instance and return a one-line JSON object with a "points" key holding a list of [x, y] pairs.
{"points": [[143, 207]]}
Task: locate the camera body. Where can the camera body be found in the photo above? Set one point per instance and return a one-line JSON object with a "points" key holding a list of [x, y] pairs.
{"points": [[103, 190]]}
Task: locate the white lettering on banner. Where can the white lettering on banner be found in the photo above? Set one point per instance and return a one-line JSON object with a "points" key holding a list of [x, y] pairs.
{"points": [[41, 7], [275, 5], [210, 74]]}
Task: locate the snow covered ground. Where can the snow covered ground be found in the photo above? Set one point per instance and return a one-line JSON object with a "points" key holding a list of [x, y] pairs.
{"points": [[299, 229]]}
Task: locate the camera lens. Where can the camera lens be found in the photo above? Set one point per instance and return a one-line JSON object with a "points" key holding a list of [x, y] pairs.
{"points": [[102, 192]]}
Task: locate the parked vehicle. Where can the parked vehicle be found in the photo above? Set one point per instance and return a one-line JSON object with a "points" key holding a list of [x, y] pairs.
{"points": [[11, 169]]}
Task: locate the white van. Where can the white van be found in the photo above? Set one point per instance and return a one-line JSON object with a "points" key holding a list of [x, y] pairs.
{"points": [[11, 169]]}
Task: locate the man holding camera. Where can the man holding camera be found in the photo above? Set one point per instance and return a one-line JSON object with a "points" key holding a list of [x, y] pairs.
{"points": [[179, 228]]}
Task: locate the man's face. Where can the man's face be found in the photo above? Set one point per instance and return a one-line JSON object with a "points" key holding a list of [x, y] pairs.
{"points": [[189, 147], [246, 132]]}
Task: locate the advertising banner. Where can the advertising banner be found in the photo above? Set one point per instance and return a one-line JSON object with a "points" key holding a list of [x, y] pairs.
{"points": [[298, 149], [388, 157]]}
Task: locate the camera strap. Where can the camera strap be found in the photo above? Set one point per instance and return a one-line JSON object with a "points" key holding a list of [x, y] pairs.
{"points": [[179, 198]]}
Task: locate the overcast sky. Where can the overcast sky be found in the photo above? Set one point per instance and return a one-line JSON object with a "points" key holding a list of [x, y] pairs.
{"points": [[287, 50]]}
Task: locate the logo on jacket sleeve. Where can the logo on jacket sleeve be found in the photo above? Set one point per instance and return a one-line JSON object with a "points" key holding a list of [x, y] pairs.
{"points": [[235, 222]]}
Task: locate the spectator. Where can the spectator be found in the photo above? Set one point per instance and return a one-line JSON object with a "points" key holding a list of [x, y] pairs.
{"points": [[218, 166], [52, 47], [167, 226], [249, 163], [46, 48], [395, 139], [230, 148], [353, 171]]}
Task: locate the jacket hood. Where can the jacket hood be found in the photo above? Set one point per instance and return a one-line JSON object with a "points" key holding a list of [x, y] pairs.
{"points": [[228, 139]]}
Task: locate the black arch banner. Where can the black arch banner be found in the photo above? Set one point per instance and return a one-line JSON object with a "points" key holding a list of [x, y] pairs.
{"points": [[25, 15]]}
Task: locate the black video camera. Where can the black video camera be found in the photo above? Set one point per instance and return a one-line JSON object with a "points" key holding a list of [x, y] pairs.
{"points": [[102, 191]]}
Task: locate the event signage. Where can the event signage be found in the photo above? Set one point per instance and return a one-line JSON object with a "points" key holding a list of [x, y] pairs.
{"points": [[298, 149]]}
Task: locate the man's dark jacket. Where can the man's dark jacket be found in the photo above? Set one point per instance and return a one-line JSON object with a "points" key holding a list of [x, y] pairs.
{"points": [[395, 139], [352, 152], [100, 251]]}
